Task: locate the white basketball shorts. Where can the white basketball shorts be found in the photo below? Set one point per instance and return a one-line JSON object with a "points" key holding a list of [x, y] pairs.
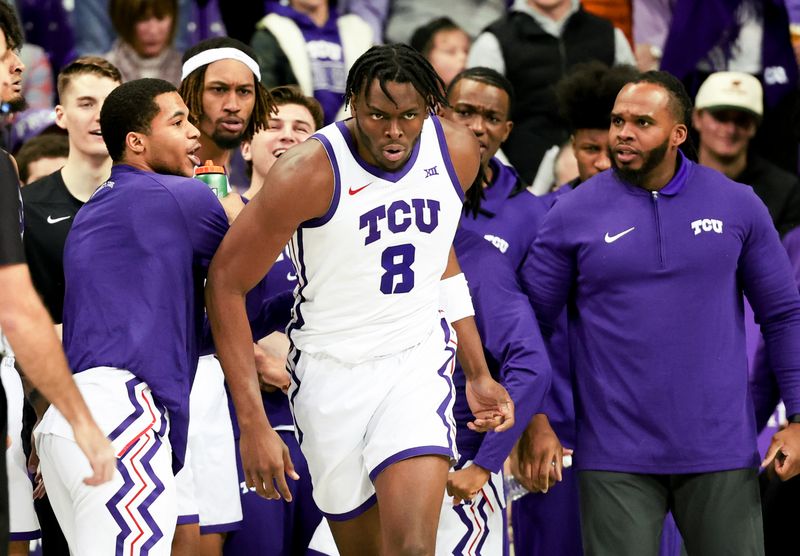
{"points": [[474, 527], [208, 484], [354, 420], [133, 514]]}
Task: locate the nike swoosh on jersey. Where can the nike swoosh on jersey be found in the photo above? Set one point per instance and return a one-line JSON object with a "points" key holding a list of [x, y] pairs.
{"points": [[354, 191], [612, 239], [51, 220]]}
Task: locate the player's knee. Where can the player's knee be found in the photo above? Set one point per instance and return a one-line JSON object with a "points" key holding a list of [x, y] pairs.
{"points": [[413, 545]]}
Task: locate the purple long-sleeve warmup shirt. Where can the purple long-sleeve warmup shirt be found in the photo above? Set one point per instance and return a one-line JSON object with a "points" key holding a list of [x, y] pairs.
{"points": [[512, 345], [135, 263], [654, 283], [506, 220]]}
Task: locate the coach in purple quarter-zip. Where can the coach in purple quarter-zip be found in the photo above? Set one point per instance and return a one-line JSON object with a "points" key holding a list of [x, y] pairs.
{"points": [[652, 258]]}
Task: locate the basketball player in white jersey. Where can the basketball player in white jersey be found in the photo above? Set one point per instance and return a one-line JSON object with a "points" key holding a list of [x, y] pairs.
{"points": [[371, 207]]}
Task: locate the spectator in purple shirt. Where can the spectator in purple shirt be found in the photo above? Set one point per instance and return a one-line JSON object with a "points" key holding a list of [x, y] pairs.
{"points": [[307, 43]]}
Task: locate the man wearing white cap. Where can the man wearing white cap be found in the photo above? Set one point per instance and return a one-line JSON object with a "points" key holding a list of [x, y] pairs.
{"points": [[728, 110]]}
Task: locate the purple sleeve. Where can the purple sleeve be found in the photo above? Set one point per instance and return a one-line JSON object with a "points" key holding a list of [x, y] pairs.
{"points": [[770, 286], [549, 270], [510, 335], [763, 386], [266, 315]]}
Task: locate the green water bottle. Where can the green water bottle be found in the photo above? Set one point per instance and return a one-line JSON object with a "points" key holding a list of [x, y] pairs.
{"points": [[214, 177]]}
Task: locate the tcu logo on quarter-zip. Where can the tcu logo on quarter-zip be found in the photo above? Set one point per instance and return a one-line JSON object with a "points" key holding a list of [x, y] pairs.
{"points": [[707, 225]]}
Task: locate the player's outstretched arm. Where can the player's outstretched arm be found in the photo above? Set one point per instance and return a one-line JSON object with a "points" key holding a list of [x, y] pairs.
{"points": [[299, 187], [488, 400], [30, 331]]}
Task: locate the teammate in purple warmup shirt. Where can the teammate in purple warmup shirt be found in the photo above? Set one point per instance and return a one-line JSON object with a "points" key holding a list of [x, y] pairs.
{"points": [[508, 215], [371, 393], [221, 88], [517, 357], [653, 258], [134, 266]]}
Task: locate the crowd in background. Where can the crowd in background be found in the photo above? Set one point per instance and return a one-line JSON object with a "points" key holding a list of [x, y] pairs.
{"points": [[534, 44]]}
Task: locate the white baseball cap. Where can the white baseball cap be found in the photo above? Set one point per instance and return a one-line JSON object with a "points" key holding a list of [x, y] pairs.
{"points": [[731, 90]]}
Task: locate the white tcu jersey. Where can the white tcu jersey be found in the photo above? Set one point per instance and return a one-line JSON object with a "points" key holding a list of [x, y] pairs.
{"points": [[369, 269]]}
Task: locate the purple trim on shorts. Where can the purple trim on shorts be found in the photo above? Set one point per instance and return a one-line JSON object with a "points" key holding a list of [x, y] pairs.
{"points": [[498, 499], [25, 535], [188, 519], [410, 453], [440, 411], [312, 552], [138, 410], [446, 329], [127, 486], [337, 185], [485, 532], [352, 514], [298, 322], [448, 162], [393, 177], [221, 527], [111, 505], [291, 368], [462, 515], [144, 507]]}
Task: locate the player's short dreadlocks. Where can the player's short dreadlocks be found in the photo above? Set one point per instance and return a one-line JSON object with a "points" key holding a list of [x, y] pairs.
{"points": [[191, 89], [399, 63]]}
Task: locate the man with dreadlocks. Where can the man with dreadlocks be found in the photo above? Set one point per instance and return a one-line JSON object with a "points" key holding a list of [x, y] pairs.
{"points": [[220, 84], [371, 207]]}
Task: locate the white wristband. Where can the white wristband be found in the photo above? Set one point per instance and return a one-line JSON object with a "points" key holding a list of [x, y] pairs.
{"points": [[454, 298]]}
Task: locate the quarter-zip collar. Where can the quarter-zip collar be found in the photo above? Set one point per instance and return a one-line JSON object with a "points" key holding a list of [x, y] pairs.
{"points": [[673, 187]]}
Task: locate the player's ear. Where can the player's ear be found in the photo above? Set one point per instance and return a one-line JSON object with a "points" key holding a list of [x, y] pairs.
{"points": [[136, 142], [247, 152]]}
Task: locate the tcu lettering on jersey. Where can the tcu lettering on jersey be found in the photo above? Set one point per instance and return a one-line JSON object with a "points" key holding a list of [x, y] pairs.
{"points": [[707, 225], [398, 218], [369, 270]]}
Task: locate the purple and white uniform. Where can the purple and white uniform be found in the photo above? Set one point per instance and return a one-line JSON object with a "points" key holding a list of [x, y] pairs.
{"points": [[517, 357], [366, 321], [135, 262], [661, 380]]}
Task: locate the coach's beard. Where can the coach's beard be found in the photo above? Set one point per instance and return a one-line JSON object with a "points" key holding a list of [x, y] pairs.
{"points": [[650, 160]]}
